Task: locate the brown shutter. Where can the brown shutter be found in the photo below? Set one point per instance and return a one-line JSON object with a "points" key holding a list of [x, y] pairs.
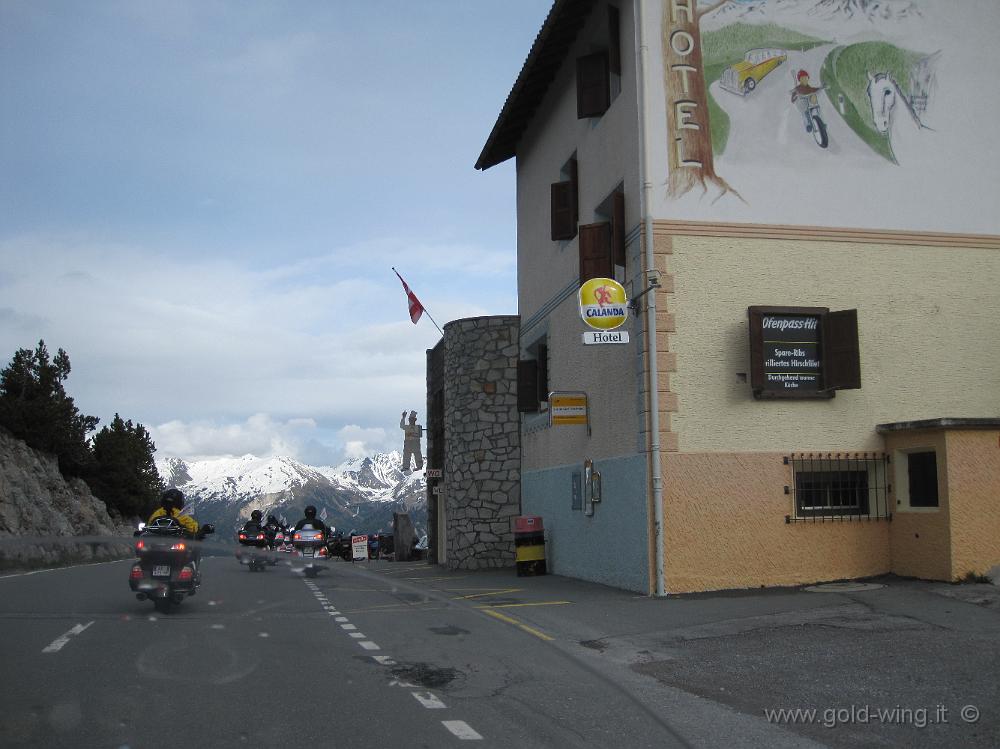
{"points": [[593, 85], [756, 320], [614, 41], [543, 373], [573, 178], [563, 207], [618, 229], [527, 385], [841, 354], [595, 252]]}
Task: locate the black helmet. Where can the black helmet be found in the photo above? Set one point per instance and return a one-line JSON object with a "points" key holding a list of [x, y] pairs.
{"points": [[272, 519], [310, 512], [255, 516], [172, 499]]}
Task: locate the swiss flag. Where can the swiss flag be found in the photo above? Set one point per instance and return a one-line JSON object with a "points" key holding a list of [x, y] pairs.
{"points": [[416, 308]]}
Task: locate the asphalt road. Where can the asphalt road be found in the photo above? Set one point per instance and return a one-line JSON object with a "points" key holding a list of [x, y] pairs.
{"points": [[354, 657]]}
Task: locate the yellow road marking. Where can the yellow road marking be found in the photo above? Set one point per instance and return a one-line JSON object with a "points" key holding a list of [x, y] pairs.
{"points": [[516, 623], [514, 605], [491, 593]]}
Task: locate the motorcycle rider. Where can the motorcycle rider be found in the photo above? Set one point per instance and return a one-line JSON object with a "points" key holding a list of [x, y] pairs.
{"points": [[311, 520], [803, 95], [171, 504]]}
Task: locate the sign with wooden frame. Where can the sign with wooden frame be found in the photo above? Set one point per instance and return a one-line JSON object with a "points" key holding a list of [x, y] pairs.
{"points": [[803, 352]]}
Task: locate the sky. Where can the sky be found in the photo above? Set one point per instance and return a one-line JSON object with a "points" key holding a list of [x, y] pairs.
{"points": [[201, 202]]}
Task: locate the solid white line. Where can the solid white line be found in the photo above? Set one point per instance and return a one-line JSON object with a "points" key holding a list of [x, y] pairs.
{"points": [[461, 729], [428, 700], [369, 645], [57, 644], [68, 567]]}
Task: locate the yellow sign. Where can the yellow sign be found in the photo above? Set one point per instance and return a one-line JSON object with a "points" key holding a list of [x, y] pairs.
{"points": [[568, 409], [603, 304]]}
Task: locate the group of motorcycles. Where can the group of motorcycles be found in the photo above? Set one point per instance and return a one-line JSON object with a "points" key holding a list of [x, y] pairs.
{"points": [[311, 547], [167, 566]]}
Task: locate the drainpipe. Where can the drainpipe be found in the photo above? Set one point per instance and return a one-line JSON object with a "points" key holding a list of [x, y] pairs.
{"points": [[647, 232]]}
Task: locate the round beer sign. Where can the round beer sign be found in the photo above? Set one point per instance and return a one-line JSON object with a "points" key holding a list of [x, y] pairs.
{"points": [[603, 305]]}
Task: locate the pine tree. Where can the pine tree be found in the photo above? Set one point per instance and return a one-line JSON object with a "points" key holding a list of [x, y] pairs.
{"points": [[34, 406], [125, 475]]}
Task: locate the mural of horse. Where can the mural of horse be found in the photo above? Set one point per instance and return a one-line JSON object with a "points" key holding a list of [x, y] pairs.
{"points": [[892, 112]]}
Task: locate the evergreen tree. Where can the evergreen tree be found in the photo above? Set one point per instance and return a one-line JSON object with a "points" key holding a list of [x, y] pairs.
{"points": [[124, 474], [34, 406]]}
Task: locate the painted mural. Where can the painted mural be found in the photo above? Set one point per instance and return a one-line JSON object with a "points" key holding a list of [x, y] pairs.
{"points": [[833, 99]]}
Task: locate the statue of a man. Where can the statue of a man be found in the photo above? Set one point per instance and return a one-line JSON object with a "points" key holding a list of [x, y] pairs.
{"points": [[412, 433]]}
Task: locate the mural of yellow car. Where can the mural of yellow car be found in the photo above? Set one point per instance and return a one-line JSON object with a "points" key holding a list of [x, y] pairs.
{"points": [[743, 77]]}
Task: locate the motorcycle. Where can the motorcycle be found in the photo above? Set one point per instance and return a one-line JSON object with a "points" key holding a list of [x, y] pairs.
{"points": [[310, 546], [166, 568], [808, 106], [255, 560]]}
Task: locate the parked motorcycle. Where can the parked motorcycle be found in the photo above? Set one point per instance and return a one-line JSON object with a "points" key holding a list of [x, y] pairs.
{"points": [[310, 547], [167, 566]]}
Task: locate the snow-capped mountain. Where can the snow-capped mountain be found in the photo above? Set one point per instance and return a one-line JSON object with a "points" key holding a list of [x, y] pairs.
{"points": [[360, 494], [855, 13]]}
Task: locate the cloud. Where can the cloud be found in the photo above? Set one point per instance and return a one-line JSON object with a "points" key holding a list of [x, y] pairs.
{"points": [[225, 359]]}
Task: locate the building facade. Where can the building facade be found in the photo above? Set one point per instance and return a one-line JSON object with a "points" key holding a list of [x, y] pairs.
{"points": [[795, 197]]}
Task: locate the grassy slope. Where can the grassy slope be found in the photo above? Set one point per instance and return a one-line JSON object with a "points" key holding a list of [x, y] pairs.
{"points": [[845, 71], [722, 48]]}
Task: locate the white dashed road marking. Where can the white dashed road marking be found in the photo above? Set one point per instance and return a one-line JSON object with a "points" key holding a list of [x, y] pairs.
{"points": [[428, 700], [57, 644], [368, 645], [461, 729], [347, 626], [358, 635]]}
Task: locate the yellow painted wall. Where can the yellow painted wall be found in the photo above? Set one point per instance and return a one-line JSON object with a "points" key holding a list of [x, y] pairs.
{"points": [[927, 320], [724, 527], [974, 498]]}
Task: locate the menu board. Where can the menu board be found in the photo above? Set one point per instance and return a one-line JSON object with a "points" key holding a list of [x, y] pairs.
{"points": [[791, 352]]}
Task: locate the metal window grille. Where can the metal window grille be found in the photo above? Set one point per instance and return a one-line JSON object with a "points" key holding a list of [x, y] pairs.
{"points": [[832, 487]]}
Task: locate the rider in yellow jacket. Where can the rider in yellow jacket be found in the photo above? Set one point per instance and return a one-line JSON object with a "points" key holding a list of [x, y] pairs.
{"points": [[171, 504]]}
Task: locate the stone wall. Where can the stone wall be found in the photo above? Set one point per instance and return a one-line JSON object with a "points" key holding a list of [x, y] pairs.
{"points": [[481, 478]]}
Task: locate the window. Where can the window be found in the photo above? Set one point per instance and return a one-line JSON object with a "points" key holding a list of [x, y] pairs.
{"points": [[533, 378], [593, 85], [921, 471], [839, 485], [564, 203], [595, 251], [613, 210]]}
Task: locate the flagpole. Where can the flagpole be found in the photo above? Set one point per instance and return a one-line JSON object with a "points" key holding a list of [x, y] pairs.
{"points": [[422, 307]]}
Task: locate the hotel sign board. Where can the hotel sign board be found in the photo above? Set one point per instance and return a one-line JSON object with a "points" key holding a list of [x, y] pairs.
{"points": [[803, 352]]}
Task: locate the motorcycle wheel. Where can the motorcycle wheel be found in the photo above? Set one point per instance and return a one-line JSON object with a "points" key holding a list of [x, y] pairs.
{"points": [[311, 572], [819, 132]]}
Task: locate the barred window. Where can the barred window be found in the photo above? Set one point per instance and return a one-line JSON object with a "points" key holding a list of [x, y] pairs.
{"points": [[839, 486]]}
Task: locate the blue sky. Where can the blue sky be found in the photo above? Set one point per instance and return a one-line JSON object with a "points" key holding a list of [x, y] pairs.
{"points": [[201, 202]]}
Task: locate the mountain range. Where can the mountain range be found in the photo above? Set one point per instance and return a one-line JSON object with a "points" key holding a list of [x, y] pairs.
{"points": [[361, 494]]}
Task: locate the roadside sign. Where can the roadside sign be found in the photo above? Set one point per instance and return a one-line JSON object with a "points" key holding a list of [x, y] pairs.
{"points": [[612, 336], [359, 548], [603, 304], [433, 473], [568, 409]]}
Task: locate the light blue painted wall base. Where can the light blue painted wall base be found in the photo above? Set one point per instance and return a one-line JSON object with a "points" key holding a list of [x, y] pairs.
{"points": [[608, 548]]}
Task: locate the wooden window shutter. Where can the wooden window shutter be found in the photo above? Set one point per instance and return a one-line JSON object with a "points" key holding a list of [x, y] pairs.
{"points": [[841, 354], [618, 229], [563, 207], [614, 41], [593, 85], [757, 379], [543, 373], [527, 385], [573, 178], [595, 252]]}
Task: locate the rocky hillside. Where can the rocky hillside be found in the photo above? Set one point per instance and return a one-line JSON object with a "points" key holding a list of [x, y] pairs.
{"points": [[46, 520]]}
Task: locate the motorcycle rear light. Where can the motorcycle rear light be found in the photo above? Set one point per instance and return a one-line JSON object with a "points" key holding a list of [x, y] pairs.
{"points": [[178, 547], [185, 574], [260, 536], [243, 537], [298, 536], [140, 545], [136, 573]]}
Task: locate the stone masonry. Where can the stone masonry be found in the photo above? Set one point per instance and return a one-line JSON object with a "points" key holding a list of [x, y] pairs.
{"points": [[482, 472]]}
